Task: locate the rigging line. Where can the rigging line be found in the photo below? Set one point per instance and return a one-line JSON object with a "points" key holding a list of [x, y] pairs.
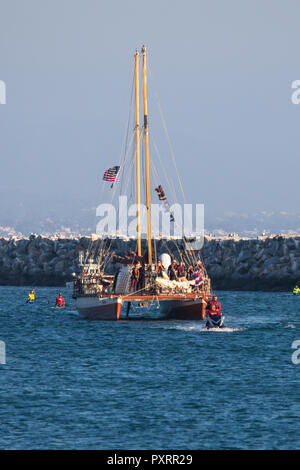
{"points": [[132, 185], [158, 182], [152, 165], [111, 199], [129, 119], [105, 261], [181, 255], [177, 225], [171, 253], [106, 257], [102, 249], [144, 166], [135, 292], [97, 247], [191, 260], [143, 161], [122, 167], [106, 254], [193, 255], [121, 188], [186, 257], [168, 137], [170, 186], [167, 134], [122, 163], [166, 245], [130, 109], [102, 188], [100, 256], [93, 253], [130, 171], [124, 146], [105, 250], [125, 138], [171, 189], [155, 250]]}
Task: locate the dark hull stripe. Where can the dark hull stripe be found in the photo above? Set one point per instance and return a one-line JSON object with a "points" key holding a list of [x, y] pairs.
{"points": [[110, 311]]}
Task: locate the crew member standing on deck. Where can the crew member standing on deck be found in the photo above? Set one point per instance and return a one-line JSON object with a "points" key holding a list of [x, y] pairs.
{"points": [[140, 283], [134, 278], [181, 269], [190, 272], [160, 268], [172, 271]]}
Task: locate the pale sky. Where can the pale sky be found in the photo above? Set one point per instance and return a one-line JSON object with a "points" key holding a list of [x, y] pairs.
{"points": [[223, 71]]}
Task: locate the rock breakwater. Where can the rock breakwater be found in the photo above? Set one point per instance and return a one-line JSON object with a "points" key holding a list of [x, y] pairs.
{"points": [[265, 263]]}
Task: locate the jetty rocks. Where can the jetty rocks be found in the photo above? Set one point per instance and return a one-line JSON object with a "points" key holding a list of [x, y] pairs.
{"points": [[264, 263]]}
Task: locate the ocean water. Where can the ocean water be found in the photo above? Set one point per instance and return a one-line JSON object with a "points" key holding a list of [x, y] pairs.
{"points": [[148, 384]]}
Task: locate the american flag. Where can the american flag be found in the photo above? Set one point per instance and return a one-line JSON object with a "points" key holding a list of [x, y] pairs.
{"points": [[111, 174]]}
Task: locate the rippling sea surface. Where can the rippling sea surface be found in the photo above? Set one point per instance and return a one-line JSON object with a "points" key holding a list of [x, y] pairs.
{"points": [[149, 384]]}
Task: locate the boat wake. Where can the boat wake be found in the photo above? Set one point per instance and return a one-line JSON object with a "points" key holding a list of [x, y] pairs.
{"points": [[203, 329], [222, 330]]}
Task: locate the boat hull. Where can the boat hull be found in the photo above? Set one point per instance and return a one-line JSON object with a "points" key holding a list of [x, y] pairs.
{"points": [[183, 309], [94, 308]]}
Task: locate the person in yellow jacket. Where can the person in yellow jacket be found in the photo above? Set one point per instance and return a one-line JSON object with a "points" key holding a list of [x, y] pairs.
{"points": [[296, 290], [31, 296]]}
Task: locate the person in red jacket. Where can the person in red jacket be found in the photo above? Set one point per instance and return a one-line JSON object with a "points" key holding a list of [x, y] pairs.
{"points": [[181, 269], [213, 306], [60, 301]]}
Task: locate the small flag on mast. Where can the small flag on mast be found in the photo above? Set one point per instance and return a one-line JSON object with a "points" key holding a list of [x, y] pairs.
{"points": [[164, 201], [111, 174]]}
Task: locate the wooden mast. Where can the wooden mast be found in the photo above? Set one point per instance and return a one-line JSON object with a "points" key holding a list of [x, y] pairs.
{"points": [[137, 130], [147, 157]]}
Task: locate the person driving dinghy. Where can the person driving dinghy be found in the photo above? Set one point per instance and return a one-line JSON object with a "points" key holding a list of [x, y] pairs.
{"points": [[213, 312], [214, 315]]}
